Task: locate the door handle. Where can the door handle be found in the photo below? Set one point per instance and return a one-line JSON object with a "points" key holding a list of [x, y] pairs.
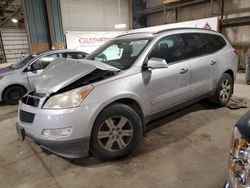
{"points": [[183, 71], [213, 62]]}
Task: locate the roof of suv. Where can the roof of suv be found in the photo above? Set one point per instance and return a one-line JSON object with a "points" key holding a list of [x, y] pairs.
{"points": [[57, 51], [148, 34]]}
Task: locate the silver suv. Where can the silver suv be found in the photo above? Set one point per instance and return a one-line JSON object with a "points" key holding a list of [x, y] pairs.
{"points": [[19, 78], [103, 104]]}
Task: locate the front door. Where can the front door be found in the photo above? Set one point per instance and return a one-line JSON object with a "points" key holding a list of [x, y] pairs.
{"points": [[169, 86], [37, 67]]}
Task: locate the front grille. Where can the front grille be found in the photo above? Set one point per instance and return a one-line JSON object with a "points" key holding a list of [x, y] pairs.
{"points": [[26, 117], [32, 99]]}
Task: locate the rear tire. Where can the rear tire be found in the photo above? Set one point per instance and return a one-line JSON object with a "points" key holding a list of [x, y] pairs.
{"points": [[223, 91], [116, 132], [12, 94]]}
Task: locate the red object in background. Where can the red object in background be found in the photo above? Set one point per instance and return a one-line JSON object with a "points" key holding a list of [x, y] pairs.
{"points": [[237, 53], [207, 26]]}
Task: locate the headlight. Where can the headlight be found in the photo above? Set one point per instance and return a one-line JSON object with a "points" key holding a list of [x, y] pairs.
{"points": [[69, 99], [55, 133], [239, 162]]}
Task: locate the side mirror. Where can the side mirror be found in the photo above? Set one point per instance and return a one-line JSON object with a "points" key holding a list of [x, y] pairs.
{"points": [[157, 63], [31, 68], [28, 68], [35, 66]]}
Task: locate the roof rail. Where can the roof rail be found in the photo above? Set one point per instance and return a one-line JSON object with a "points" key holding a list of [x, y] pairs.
{"points": [[164, 30], [143, 32], [172, 29]]}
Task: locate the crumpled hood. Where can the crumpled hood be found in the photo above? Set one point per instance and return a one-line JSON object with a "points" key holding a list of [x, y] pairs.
{"points": [[63, 72]]}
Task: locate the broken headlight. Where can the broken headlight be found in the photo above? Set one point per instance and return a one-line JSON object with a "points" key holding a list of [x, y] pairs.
{"points": [[68, 99], [239, 161]]}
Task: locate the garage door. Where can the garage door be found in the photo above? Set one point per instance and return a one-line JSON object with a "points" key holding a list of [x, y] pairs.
{"points": [[15, 42], [93, 15]]}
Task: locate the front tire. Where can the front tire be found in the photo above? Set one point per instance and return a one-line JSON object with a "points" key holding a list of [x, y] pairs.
{"points": [[12, 94], [116, 132], [223, 91]]}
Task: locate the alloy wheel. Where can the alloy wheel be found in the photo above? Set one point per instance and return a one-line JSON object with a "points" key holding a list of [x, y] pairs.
{"points": [[14, 95], [225, 90], [115, 133]]}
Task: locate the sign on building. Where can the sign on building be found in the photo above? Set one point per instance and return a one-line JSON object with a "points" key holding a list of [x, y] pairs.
{"points": [[89, 41]]}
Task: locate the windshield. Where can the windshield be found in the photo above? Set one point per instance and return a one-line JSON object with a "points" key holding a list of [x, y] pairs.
{"points": [[23, 61], [119, 53]]}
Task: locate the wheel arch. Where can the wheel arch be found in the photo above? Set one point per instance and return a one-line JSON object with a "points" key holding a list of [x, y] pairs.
{"points": [[129, 101], [132, 103], [135, 106], [231, 73]]}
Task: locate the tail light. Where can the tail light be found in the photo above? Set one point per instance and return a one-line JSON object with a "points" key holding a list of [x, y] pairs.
{"points": [[237, 53]]}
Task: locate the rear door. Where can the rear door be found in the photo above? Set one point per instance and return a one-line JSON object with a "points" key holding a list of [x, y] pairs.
{"points": [[169, 86], [215, 44], [203, 64]]}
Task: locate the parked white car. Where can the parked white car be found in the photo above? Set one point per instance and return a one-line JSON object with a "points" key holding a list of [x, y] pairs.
{"points": [[19, 78]]}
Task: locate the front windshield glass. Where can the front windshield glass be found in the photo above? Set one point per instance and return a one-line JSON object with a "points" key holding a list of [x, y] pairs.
{"points": [[119, 53], [23, 61]]}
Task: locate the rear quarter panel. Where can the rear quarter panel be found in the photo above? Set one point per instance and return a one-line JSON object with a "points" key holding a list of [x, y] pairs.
{"points": [[228, 60]]}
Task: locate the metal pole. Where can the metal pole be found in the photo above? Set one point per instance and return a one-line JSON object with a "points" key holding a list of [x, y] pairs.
{"points": [[221, 17], [164, 14], [51, 25], [131, 19], [212, 8], [2, 47], [222, 9], [26, 22], [119, 11], [176, 14]]}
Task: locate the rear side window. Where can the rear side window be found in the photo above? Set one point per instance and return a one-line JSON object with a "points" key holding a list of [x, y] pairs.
{"points": [[193, 45], [213, 42], [74, 55]]}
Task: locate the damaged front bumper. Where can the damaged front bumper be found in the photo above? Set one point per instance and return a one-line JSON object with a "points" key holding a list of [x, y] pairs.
{"points": [[33, 121], [69, 149]]}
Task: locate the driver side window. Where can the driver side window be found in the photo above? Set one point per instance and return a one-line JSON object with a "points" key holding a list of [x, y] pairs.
{"points": [[44, 62], [168, 48]]}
